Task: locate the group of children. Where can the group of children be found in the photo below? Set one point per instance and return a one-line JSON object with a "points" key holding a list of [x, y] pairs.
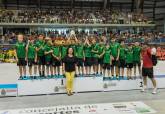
{"points": [[90, 52]]}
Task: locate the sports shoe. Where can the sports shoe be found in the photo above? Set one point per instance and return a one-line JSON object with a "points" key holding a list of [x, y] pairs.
{"points": [[143, 89], [117, 78], [34, 77], [31, 77], [21, 77], [25, 77], [154, 91]]}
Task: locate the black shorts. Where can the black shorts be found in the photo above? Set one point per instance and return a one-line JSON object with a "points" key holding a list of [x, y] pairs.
{"points": [[88, 61], [94, 61], [122, 63], [31, 62], [41, 60], [21, 62], [106, 66], [49, 62], [80, 62], [115, 62], [100, 61], [148, 72], [56, 63], [135, 63], [129, 65]]}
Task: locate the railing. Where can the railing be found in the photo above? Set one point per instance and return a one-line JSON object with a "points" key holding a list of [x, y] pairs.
{"points": [[76, 25]]}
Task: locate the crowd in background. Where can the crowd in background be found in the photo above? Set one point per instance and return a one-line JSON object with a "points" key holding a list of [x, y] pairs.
{"points": [[150, 37], [72, 16]]}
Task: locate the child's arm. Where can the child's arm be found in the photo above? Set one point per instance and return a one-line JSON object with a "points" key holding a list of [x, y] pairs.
{"points": [[76, 39], [48, 52], [27, 46], [35, 60], [94, 51], [102, 54], [111, 58], [88, 43], [118, 54], [83, 55], [54, 56], [15, 51], [85, 41]]}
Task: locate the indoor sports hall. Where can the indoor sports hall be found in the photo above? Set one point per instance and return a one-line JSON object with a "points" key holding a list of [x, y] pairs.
{"points": [[82, 56]]}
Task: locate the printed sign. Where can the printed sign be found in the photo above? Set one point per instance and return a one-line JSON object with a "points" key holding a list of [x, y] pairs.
{"points": [[106, 108]]}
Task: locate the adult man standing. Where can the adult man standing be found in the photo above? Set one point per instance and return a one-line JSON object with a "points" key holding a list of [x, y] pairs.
{"points": [[147, 68]]}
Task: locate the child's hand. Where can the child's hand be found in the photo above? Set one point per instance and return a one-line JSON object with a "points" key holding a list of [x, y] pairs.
{"points": [[117, 58], [112, 58], [35, 60], [26, 59], [58, 58], [51, 51]]}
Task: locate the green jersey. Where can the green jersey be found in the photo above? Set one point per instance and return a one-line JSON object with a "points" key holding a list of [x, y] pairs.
{"points": [[74, 49], [136, 53], [80, 51], [56, 51], [48, 48], [40, 44], [129, 56], [101, 48], [87, 51], [107, 55], [122, 53], [31, 51], [63, 51], [20, 49], [95, 47], [114, 48]]}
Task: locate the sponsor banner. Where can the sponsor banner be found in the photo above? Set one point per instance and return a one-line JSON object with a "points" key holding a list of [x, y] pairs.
{"points": [[105, 108], [8, 90]]}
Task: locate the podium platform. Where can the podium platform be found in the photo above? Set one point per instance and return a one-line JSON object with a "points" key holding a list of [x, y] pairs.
{"points": [[82, 84], [57, 85]]}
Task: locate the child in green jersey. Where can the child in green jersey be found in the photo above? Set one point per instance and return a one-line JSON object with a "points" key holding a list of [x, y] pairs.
{"points": [[40, 43], [31, 57], [115, 49], [80, 57], [20, 56], [94, 51], [100, 56], [129, 61], [137, 58], [122, 56], [107, 60], [88, 59], [48, 57], [56, 59]]}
